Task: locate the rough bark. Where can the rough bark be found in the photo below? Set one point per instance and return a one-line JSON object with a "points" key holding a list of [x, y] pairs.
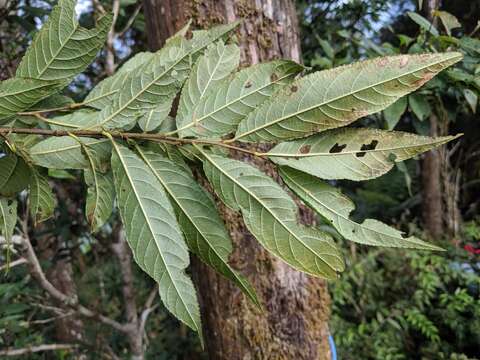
{"points": [[294, 324], [432, 200]]}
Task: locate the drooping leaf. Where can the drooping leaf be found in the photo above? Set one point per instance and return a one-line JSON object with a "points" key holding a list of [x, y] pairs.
{"points": [[65, 152], [352, 153], [472, 99], [420, 106], [19, 94], [152, 119], [154, 235], [218, 61], [394, 112], [63, 49], [42, 201], [329, 202], [449, 21], [221, 111], [8, 219], [271, 215], [204, 231], [423, 23], [14, 174], [100, 192], [102, 94], [337, 97]]}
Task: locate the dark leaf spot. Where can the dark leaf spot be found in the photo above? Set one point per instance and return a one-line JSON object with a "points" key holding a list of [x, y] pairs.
{"points": [[241, 174], [248, 85], [337, 148], [9, 202], [370, 146], [294, 88], [273, 77], [305, 149], [189, 35]]}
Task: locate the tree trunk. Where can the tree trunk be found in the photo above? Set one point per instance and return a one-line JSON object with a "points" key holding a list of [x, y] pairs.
{"points": [[294, 324], [432, 199]]}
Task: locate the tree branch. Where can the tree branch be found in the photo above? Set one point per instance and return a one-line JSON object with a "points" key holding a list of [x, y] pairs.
{"points": [[128, 135], [34, 349], [38, 274]]}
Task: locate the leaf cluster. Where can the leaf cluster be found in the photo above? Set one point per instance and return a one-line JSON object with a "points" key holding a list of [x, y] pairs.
{"points": [[136, 151]]}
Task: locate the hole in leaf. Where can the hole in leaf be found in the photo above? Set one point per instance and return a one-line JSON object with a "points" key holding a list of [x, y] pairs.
{"points": [[337, 148], [9, 202], [370, 146]]}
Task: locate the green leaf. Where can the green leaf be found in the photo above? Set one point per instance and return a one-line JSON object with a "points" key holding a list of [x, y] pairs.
{"points": [[352, 153], [100, 192], [14, 174], [19, 94], [102, 94], [394, 112], [420, 106], [65, 152], [472, 99], [42, 201], [63, 49], [337, 97], [152, 119], [76, 120], [327, 48], [221, 111], [336, 208], [423, 23], [203, 228], [8, 219], [471, 45], [271, 216], [153, 234], [218, 61], [155, 82], [449, 21]]}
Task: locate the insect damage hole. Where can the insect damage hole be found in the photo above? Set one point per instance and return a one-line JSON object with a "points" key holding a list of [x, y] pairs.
{"points": [[365, 147], [337, 148]]}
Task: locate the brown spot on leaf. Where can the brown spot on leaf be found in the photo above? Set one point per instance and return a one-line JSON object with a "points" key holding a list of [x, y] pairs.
{"points": [[403, 61], [305, 149], [189, 35], [248, 85], [383, 62], [273, 77], [294, 88]]}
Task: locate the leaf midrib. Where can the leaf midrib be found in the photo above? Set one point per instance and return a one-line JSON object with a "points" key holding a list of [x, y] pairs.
{"points": [[269, 210], [130, 180], [197, 121], [61, 47], [352, 152], [183, 209], [347, 219], [273, 122]]}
